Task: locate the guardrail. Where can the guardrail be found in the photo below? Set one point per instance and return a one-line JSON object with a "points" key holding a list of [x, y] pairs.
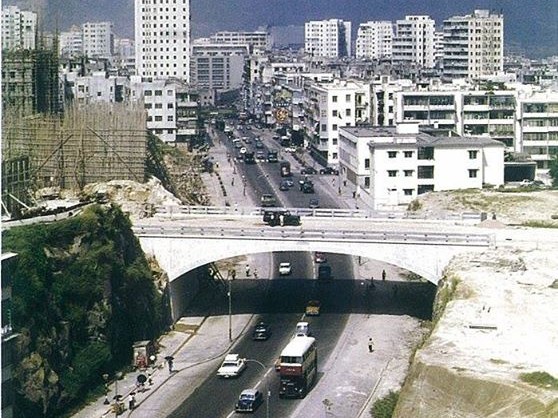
{"points": [[318, 212], [298, 234]]}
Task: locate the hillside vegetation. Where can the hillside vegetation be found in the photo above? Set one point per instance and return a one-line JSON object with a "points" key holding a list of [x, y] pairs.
{"points": [[82, 294]]}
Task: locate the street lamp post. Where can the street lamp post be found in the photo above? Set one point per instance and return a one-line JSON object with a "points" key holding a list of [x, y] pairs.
{"points": [[243, 185], [268, 395], [229, 295]]}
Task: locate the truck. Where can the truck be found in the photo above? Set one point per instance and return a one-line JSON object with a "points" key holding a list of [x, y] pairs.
{"points": [[285, 168]]}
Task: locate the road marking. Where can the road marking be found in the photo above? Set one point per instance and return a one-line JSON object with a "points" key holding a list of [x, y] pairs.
{"points": [[231, 414]]}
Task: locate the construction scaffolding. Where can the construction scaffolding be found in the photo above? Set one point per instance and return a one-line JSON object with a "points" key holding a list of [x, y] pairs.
{"points": [[94, 143]]}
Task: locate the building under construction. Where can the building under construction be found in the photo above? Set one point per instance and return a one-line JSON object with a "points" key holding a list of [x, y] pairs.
{"points": [[95, 143]]}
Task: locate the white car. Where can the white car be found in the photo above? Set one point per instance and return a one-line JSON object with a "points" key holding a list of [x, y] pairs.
{"points": [[284, 269], [233, 366]]}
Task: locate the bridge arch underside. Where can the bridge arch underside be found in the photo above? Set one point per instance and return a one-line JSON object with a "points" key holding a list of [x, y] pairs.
{"points": [[179, 256]]}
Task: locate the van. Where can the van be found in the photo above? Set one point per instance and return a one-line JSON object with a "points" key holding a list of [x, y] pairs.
{"points": [[302, 329]]}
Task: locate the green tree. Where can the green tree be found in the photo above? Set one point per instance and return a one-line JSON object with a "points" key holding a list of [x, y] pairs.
{"points": [[384, 407]]}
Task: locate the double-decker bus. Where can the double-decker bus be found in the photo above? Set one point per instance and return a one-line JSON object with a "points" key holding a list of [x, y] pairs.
{"points": [[298, 367]]}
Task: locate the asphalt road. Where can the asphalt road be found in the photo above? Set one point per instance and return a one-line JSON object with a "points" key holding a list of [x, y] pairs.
{"points": [[281, 300]]}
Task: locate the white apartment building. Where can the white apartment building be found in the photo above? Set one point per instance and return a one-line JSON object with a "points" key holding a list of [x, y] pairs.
{"points": [[70, 43], [98, 88], [327, 38], [413, 41], [255, 40], [374, 40], [217, 66], [19, 28], [537, 127], [171, 106], [98, 39], [391, 166], [473, 45], [162, 36], [329, 107]]}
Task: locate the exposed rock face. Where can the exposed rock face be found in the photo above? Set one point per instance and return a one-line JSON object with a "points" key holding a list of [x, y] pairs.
{"points": [[499, 322]]}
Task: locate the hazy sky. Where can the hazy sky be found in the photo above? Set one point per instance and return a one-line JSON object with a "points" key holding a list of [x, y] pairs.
{"points": [[532, 24]]}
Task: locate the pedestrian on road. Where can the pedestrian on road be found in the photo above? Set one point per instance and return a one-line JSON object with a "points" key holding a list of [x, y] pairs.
{"points": [[354, 195], [370, 345], [255, 273], [383, 275], [247, 270], [132, 401], [232, 182]]}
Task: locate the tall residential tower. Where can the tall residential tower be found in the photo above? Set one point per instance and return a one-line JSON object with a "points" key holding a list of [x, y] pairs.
{"points": [[162, 29], [327, 38], [413, 42]]}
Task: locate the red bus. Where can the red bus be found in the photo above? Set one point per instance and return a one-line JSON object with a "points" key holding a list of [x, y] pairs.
{"points": [[298, 367]]}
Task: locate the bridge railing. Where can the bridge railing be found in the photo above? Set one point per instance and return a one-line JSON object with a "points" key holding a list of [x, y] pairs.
{"points": [[177, 211], [270, 233]]}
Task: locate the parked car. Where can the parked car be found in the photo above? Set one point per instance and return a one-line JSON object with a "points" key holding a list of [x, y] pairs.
{"points": [[262, 332], [232, 366], [314, 203], [308, 170], [289, 182], [313, 308], [285, 269], [329, 170], [249, 400]]}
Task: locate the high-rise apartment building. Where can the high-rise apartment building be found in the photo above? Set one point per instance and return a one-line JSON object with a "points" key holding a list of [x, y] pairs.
{"points": [[98, 39], [70, 43], [473, 45], [19, 28], [162, 35], [374, 40], [413, 42], [327, 38], [255, 40]]}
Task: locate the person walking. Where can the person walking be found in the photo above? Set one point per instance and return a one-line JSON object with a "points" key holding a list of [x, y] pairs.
{"points": [[247, 270], [132, 401], [384, 275], [370, 345]]}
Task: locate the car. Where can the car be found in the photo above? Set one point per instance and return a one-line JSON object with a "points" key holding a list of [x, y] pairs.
{"points": [[308, 170], [268, 200], [329, 170], [260, 156], [284, 186], [290, 149], [313, 308], [307, 187], [289, 182], [285, 269], [319, 257], [262, 332], [314, 203], [232, 366], [302, 329], [259, 144], [249, 400], [243, 150], [246, 140]]}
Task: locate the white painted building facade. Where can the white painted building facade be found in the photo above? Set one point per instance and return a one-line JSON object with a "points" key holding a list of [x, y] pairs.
{"points": [[19, 28], [413, 41], [473, 45], [162, 36], [374, 40], [98, 39], [218, 66], [327, 38], [390, 166]]}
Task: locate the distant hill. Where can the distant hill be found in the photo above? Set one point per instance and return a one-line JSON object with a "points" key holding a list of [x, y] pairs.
{"points": [[531, 26]]}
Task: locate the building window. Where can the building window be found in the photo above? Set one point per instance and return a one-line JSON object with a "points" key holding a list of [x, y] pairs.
{"points": [[170, 105], [408, 192], [158, 118], [158, 105], [334, 99], [473, 174], [426, 153], [392, 154], [324, 127], [473, 155], [334, 113], [334, 127], [347, 112], [148, 93], [348, 98], [169, 92], [367, 163], [408, 173], [170, 118], [425, 172], [392, 173], [367, 182], [148, 105], [408, 154], [334, 156], [158, 92]]}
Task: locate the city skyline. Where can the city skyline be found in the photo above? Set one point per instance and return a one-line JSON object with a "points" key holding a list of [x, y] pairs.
{"points": [[535, 32]]}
